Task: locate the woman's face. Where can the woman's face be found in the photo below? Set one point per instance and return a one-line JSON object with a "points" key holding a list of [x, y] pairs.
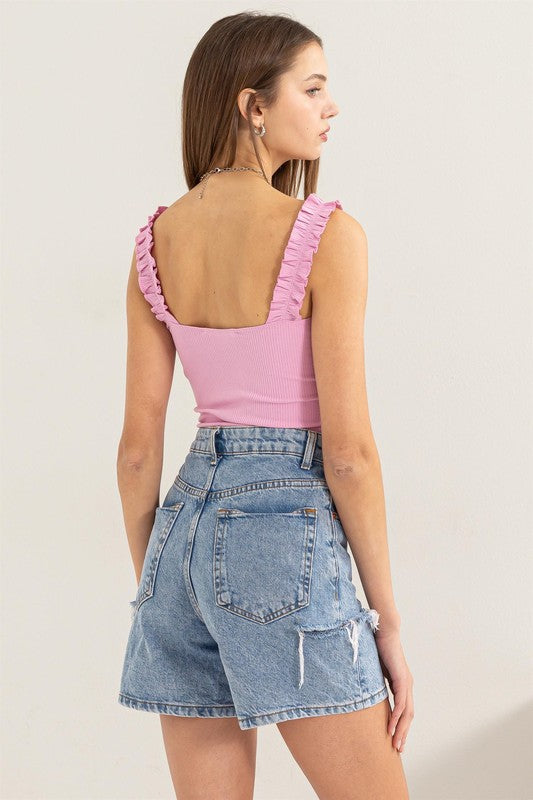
{"points": [[302, 111]]}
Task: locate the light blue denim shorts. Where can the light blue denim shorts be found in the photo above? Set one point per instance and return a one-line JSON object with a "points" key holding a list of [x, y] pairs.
{"points": [[246, 606]]}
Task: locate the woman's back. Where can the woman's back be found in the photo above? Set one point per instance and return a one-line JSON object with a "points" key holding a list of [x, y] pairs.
{"points": [[219, 257], [230, 278]]}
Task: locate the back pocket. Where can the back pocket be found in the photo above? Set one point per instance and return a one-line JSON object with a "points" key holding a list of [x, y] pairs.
{"points": [[263, 561], [164, 521]]}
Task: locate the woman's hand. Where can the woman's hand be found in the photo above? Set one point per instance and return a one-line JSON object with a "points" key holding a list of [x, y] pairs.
{"points": [[396, 671]]}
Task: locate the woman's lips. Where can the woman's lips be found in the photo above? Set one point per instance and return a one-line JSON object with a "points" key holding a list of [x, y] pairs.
{"points": [[324, 137]]}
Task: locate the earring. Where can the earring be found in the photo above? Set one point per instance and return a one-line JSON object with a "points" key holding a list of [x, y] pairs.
{"points": [[261, 132]]}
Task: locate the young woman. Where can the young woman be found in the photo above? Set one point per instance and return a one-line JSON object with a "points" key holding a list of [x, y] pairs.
{"points": [[245, 612]]}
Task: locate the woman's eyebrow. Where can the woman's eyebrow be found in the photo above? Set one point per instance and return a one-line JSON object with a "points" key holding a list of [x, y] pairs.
{"points": [[315, 75]]}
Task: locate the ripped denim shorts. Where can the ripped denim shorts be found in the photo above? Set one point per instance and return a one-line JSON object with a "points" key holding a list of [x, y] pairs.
{"points": [[246, 606]]}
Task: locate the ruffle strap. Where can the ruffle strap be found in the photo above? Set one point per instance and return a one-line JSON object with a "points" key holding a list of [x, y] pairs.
{"points": [[147, 269], [303, 242]]}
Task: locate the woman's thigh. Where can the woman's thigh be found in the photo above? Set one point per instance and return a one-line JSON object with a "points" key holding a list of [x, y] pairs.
{"points": [[348, 756], [209, 758]]}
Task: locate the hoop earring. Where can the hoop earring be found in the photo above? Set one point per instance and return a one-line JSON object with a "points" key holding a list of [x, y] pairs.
{"points": [[260, 132]]}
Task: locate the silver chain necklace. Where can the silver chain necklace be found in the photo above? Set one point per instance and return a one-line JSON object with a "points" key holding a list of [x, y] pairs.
{"points": [[225, 169]]}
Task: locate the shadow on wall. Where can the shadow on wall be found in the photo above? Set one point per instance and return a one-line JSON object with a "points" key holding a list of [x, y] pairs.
{"points": [[494, 765]]}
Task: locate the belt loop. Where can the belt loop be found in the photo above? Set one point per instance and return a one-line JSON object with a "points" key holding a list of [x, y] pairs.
{"points": [[309, 452], [212, 445]]}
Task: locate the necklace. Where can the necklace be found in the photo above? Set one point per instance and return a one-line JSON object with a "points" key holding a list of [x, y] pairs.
{"points": [[225, 169]]}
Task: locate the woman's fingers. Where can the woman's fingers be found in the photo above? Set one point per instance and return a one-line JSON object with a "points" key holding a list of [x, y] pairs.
{"points": [[397, 673], [400, 701], [402, 729], [401, 717]]}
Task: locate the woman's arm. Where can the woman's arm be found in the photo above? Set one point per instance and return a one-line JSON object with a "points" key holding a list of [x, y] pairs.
{"points": [[149, 370], [351, 461], [357, 490]]}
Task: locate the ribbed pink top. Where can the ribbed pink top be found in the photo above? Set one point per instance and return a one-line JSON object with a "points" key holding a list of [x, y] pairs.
{"points": [[260, 374]]}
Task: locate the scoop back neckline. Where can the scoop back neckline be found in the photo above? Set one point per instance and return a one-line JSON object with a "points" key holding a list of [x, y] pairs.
{"points": [[176, 323]]}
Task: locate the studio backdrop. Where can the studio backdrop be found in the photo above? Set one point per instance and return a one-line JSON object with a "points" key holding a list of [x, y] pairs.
{"points": [[431, 152]]}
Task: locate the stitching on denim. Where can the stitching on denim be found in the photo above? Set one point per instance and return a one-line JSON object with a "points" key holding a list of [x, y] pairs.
{"points": [[304, 579], [174, 705], [276, 483], [260, 451], [146, 587], [334, 540], [363, 699]]}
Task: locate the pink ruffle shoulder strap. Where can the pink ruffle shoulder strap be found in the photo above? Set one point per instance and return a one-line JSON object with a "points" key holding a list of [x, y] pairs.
{"points": [[303, 242], [147, 269]]}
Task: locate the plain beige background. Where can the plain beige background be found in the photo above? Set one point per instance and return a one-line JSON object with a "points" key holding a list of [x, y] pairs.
{"points": [[432, 152]]}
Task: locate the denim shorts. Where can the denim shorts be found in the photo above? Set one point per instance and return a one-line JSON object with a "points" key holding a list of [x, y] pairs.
{"points": [[245, 606]]}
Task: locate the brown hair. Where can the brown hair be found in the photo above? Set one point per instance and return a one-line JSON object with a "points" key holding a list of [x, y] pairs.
{"points": [[246, 49]]}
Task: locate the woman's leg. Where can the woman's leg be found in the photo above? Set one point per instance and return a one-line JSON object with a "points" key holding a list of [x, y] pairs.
{"points": [[348, 756], [210, 758]]}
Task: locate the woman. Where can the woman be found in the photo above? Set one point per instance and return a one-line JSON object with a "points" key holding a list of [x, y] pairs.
{"points": [[246, 613]]}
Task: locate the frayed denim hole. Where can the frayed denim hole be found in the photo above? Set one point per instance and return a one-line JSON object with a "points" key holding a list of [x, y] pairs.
{"points": [[353, 629], [371, 616], [133, 608]]}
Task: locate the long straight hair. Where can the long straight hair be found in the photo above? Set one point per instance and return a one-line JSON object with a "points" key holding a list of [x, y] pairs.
{"points": [[249, 49]]}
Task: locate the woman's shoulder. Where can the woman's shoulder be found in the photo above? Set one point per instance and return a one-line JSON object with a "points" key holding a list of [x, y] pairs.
{"points": [[343, 240], [342, 227], [278, 207], [269, 201]]}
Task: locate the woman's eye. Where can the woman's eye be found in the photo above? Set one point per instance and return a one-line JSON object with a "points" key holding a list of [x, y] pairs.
{"points": [[315, 89]]}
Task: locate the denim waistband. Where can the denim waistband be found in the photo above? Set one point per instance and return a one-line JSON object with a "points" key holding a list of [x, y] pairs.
{"points": [[236, 440]]}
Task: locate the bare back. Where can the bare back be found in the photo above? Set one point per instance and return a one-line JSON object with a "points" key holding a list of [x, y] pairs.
{"points": [[218, 258]]}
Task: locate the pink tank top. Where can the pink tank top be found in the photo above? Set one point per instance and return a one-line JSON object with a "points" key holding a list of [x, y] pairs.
{"points": [[260, 374]]}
